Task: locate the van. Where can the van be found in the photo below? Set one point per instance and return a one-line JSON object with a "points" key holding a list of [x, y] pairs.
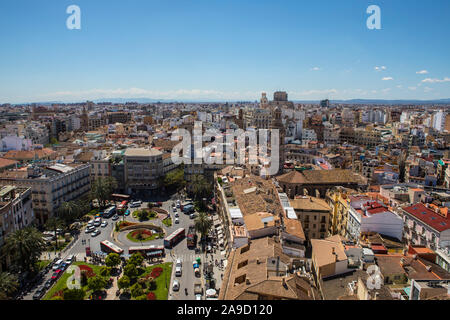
{"points": [[57, 264]]}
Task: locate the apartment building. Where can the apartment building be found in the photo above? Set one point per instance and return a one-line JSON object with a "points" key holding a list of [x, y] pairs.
{"points": [[143, 167], [15, 214], [51, 185], [365, 215], [314, 214], [426, 225]]}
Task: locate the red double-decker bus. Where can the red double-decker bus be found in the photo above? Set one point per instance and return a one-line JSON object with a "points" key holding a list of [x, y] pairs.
{"points": [[174, 238], [148, 251], [110, 247]]}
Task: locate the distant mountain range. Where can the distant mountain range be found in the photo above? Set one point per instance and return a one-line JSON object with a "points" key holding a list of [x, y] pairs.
{"points": [[351, 101]]}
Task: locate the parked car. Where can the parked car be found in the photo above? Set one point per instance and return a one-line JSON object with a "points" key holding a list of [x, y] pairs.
{"points": [[192, 216], [89, 229], [104, 224], [56, 264], [39, 293], [177, 220], [95, 233], [56, 274], [98, 222], [176, 285], [48, 284], [178, 271], [115, 217], [63, 265], [176, 215], [178, 263]]}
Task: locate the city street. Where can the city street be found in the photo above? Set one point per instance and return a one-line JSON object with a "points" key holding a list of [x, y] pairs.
{"points": [[180, 250]]}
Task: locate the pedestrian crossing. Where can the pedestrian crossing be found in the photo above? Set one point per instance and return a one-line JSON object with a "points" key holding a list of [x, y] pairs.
{"points": [[185, 257]]}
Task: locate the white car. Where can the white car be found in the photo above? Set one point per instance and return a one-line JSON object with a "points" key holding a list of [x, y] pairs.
{"points": [[95, 233], [70, 259], [198, 296], [176, 285], [178, 263], [177, 220], [97, 222], [89, 229], [104, 224], [178, 271], [174, 209]]}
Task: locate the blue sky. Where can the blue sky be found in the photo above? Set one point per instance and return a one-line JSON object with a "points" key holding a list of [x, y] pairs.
{"points": [[223, 49]]}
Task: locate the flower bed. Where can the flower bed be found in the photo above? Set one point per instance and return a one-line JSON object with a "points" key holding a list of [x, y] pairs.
{"points": [[87, 270], [156, 272], [151, 296]]}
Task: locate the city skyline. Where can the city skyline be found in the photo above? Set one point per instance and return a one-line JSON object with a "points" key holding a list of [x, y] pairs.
{"points": [[219, 51]]}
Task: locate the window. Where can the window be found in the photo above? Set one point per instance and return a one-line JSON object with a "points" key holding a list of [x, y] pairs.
{"points": [[242, 264], [240, 279]]}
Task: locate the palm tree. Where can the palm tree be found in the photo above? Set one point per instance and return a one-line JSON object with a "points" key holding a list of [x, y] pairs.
{"points": [[8, 285], [102, 188], [68, 212], [200, 187], [25, 247], [55, 223], [202, 224]]}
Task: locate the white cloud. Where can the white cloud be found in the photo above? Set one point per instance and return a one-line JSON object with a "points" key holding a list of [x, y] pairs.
{"points": [[399, 86], [386, 90], [315, 69], [422, 72], [412, 88], [380, 68], [430, 80], [387, 78]]}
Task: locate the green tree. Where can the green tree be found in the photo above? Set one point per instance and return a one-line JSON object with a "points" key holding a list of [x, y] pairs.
{"points": [[102, 189], [174, 180], [142, 215], [74, 294], [96, 283], [53, 224], [136, 290], [130, 270], [124, 282], [112, 260], [54, 140], [105, 271], [136, 259], [25, 247], [203, 224], [8, 285]]}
